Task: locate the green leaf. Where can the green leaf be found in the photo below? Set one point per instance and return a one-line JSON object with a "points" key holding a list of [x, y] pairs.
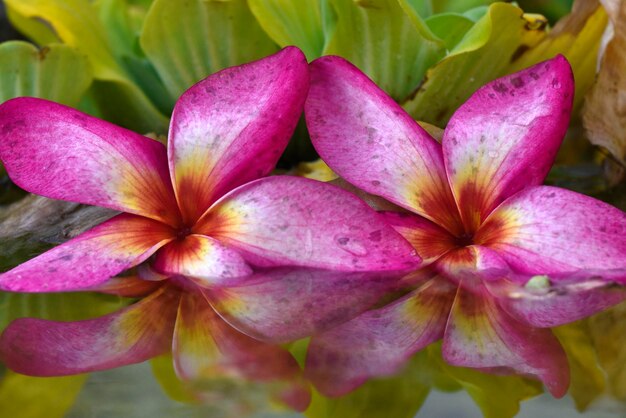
{"points": [[587, 379], [484, 54], [187, 41], [123, 20], [387, 40], [57, 72], [459, 6], [75, 23], [163, 369], [292, 23], [400, 396], [449, 27], [31, 397]]}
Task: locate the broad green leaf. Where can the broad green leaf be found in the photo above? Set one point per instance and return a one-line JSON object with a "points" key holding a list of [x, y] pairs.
{"points": [[449, 27], [123, 20], [552, 9], [399, 396], [292, 23], [56, 72], [387, 40], [187, 41], [75, 23], [578, 37], [426, 8], [31, 397], [587, 379], [484, 54]]}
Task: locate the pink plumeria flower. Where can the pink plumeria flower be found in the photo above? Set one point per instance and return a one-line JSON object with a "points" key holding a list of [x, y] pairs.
{"points": [[278, 257], [475, 210]]}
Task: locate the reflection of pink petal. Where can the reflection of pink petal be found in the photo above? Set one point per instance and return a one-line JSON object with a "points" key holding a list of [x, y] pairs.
{"points": [[91, 258], [129, 287], [232, 127], [58, 152], [39, 347], [505, 137]]}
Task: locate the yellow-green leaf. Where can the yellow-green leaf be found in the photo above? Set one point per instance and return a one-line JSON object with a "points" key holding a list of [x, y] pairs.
{"points": [[32, 397], [56, 72], [387, 40], [187, 41], [484, 54]]}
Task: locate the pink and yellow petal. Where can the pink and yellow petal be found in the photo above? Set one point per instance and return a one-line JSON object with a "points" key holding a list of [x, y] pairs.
{"points": [[39, 347], [206, 347], [479, 334], [293, 221], [474, 264], [379, 342], [232, 127], [505, 137], [202, 258], [128, 287], [547, 230], [370, 141], [58, 152], [91, 258], [289, 303]]}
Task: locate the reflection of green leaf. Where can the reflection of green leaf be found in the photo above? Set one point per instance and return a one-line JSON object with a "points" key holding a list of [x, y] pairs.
{"points": [[163, 370], [58, 72], [75, 22], [483, 55], [30, 397], [587, 380], [292, 23], [187, 41], [399, 396], [387, 40]]}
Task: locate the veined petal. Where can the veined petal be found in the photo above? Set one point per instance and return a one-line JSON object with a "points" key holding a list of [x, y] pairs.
{"points": [[429, 239], [206, 347], [202, 258], [380, 341], [289, 303], [480, 334], [38, 347], [505, 137], [547, 230], [58, 152], [541, 303], [283, 221], [233, 126], [369, 140], [91, 258]]}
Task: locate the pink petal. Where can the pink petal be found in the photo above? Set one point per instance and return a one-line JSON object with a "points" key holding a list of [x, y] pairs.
{"points": [[202, 258], [91, 258], [474, 262], [379, 342], [480, 334], [233, 126], [286, 304], [128, 287], [555, 304], [369, 140], [282, 221], [547, 230], [39, 347], [505, 137], [58, 152], [207, 347]]}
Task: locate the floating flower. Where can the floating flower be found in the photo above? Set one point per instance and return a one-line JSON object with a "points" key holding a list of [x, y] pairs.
{"points": [[276, 257], [505, 258]]}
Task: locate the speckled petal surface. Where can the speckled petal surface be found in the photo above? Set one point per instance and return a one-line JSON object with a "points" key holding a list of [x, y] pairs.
{"points": [[286, 304], [91, 258], [379, 342], [38, 347], [548, 230], [232, 127], [369, 140], [206, 347], [505, 137], [480, 334], [58, 152], [283, 221], [202, 258]]}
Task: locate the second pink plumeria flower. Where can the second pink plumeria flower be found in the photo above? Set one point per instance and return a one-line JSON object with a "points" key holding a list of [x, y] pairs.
{"points": [[475, 210], [276, 257]]}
